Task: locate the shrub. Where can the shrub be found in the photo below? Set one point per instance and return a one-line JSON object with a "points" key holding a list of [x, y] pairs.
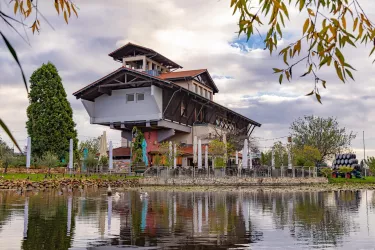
{"points": [[326, 172]]}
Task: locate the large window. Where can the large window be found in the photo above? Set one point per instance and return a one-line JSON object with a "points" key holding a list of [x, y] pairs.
{"points": [[200, 90], [140, 97], [205, 93], [129, 97]]}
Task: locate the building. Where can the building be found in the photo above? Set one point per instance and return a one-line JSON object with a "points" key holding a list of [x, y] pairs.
{"points": [[151, 92]]}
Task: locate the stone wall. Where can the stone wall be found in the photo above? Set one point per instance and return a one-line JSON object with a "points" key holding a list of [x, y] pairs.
{"points": [[230, 181]]}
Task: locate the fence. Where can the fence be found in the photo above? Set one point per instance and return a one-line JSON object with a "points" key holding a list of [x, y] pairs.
{"points": [[194, 172]]}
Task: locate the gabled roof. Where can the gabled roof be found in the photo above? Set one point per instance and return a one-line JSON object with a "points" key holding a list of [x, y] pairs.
{"points": [[114, 73], [92, 88], [176, 75], [131, 49]]}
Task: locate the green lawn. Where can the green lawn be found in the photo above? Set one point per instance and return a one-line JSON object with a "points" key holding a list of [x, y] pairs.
{"points": [[369, 179], [40, 177]]}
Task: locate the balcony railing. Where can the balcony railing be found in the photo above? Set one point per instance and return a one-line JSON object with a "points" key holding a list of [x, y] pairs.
{"points": [[152, 72]]}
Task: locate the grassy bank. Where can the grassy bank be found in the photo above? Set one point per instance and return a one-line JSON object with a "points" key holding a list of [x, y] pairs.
{"points": [[367, 180], [41, 177]]}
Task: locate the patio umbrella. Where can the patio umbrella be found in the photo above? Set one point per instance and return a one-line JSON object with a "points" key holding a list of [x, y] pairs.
{"points": [[195, 149], [244, 154], [103, 145], [199, 153], [206, 157], [174, 155]]}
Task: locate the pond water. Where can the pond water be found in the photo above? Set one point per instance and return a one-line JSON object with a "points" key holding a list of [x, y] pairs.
{"points": [[90, 219]]}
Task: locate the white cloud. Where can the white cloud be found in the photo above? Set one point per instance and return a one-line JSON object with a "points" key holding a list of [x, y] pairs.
{"points": [[195, 34]]}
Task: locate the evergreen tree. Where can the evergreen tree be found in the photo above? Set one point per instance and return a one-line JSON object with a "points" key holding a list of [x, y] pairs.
{"points": [[50, 117]]}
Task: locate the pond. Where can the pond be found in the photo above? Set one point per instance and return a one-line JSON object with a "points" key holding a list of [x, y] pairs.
{"points": [[89, 219]]}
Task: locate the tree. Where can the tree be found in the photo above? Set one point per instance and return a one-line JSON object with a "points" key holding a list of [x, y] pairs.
{"points": [[25, 8], [166, 157], [49, 160], [103, 162], [92, 145], [217, 150], [326, 31], [307, 156], [281, 154], [266, 158], [6, 155], [91, 161], [370, 162], [324, 134], [50, 117], [137, 145]]}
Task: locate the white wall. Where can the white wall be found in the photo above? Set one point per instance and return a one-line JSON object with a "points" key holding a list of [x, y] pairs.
{"points": [[114, 108]]}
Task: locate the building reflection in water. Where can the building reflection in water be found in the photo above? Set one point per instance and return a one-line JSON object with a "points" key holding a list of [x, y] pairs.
{"points": [[26, 218], [185, 219], [69, 219]]}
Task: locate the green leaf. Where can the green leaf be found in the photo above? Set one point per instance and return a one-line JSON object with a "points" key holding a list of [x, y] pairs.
{"points": [[279, 30], [282, 19], [276, 70], [311, 93], [318, 97], [301, 4], [14, 54], [285, 9], [349, 66], [281, 78], [324, 61], [324, 83], [372, 51], [349, 73], [340, 56], [338, 71], [7, 131]]}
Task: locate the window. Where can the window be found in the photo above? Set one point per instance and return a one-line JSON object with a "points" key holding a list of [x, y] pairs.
{"points": [[200, 91], [209, 96], [129, 97], [194, 88], [140, 97], [205, 93]]}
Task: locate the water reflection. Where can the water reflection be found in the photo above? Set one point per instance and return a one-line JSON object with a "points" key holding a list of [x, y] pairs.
{"points": [[180, 220]]}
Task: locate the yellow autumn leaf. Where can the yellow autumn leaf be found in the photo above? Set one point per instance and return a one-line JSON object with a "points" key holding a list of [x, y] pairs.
{"points": [[74, 10], [57, 7], [306, 26], [15, 7], [355, 24], [343, 20], [66, 17], [29, 4]]}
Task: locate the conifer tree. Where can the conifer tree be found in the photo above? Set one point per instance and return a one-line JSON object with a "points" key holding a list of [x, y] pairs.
{"points": [[50, 117]]}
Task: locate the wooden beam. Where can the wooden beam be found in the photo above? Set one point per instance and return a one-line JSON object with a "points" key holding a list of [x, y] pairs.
{"points": [[186, 107], [105, 91], [121, 84], [192, 112]]}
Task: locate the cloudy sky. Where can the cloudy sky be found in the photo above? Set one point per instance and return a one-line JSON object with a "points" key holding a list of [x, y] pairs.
{"points": [[195, 34]]}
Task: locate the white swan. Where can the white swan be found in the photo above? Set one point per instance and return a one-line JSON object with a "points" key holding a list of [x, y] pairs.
{"points": [[143, 195], [117, 196]]}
